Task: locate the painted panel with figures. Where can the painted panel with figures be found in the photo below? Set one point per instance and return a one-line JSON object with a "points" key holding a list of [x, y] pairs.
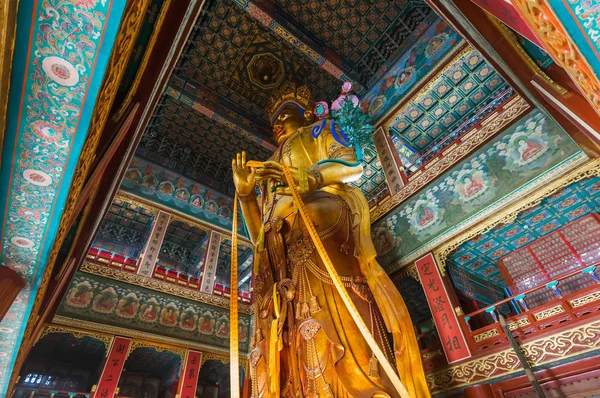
{"points": [[96, 299], [529, 148], [155, 183], [435, 44]]}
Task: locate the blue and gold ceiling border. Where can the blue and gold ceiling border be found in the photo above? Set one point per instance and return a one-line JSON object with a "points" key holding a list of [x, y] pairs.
{"points": [[61, 53]]}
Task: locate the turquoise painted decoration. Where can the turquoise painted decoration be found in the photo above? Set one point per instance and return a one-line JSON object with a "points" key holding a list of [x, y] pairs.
{"points": [[531, 151], [61, 54], [104, 301], [539, 56], [478, 257], [468, 90], [434, 46], [581, 19], [157, 184]]}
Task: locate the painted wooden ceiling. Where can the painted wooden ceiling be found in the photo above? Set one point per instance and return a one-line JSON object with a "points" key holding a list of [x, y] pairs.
{"points": [[125, 229], [66, 347], [245, 257], [150, 361], [477, 259], [237, 55], [467, 85]]}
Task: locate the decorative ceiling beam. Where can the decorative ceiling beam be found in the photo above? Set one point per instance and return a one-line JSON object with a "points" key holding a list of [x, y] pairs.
{"points": [[177, 215], [179, 94], [270, 23], [54, 87]]}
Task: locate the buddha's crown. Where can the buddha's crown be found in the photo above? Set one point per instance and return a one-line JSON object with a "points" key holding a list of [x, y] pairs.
{"points": [[287, 93]]}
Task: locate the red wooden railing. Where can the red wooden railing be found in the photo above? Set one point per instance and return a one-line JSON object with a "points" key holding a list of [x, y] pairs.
{"points": [[536, 321], [179, 278]]}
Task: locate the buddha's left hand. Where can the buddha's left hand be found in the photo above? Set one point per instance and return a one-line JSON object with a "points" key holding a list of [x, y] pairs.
{"points": [[274, 171]]}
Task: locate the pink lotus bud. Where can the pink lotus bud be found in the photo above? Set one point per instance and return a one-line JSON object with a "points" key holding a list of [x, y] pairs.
{"points": [[346, 87]]}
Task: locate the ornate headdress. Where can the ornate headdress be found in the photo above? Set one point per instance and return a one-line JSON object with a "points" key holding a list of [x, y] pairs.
{"points": [[289, 93]]}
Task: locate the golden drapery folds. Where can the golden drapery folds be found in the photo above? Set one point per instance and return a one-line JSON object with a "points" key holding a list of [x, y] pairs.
{"points": [[307, 341]]}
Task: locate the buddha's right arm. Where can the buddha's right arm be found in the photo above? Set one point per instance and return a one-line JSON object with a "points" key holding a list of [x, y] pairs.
{"points": [[251, 214]]}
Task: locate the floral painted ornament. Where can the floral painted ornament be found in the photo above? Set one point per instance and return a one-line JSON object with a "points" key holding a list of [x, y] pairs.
{"points": [[46, 131], [60, 71]]}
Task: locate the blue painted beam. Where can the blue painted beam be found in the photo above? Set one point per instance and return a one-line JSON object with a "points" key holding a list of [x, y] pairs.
{"points": [[62, 50]]}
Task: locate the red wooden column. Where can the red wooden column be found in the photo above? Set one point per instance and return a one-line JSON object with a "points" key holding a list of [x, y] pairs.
{"points": [[109, 378], [441, 305], [11, 283], [188, 380]]}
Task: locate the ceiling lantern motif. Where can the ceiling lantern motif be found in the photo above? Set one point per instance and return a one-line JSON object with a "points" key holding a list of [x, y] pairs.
{"points": [[266, 71]]}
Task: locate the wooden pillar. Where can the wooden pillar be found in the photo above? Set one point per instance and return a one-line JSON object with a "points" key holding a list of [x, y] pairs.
{"points": [[480, 391], [210, 263], [11, 283], [247, 386], [111, 373], [188, 378], [442, 306], [149, 257]]}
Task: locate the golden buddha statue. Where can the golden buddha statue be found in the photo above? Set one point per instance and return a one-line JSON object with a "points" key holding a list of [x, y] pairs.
{"points": [[305, 341]]}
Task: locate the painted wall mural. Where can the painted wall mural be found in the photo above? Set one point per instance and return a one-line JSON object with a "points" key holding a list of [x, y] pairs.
{"points": [[479, 256], [155, 183], [436, 44], [531, 147], [109, 302], [62, 49]]}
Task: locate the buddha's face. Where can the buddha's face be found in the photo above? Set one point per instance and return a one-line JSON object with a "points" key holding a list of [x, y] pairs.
{"points": [[287, 122]]}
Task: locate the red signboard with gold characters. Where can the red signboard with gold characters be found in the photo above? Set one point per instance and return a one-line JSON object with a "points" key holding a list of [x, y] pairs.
{"points": [[449, 331], [111, 373], [189, 375]]}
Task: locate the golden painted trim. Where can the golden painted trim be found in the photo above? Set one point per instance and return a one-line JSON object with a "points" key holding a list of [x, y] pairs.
{"points": [[509, 213], [8, 26], [178, 215], [486, 335], [541, 351], [560, 46], [145, 206], [511, 37], [444, 64], [581, 301], [518, 324], [433, 354], [134, 334], [159, 286], [224, 359], [130, 24], [549, 312], [409, 271], [78, 333], [142, 68], [491, 126]]}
